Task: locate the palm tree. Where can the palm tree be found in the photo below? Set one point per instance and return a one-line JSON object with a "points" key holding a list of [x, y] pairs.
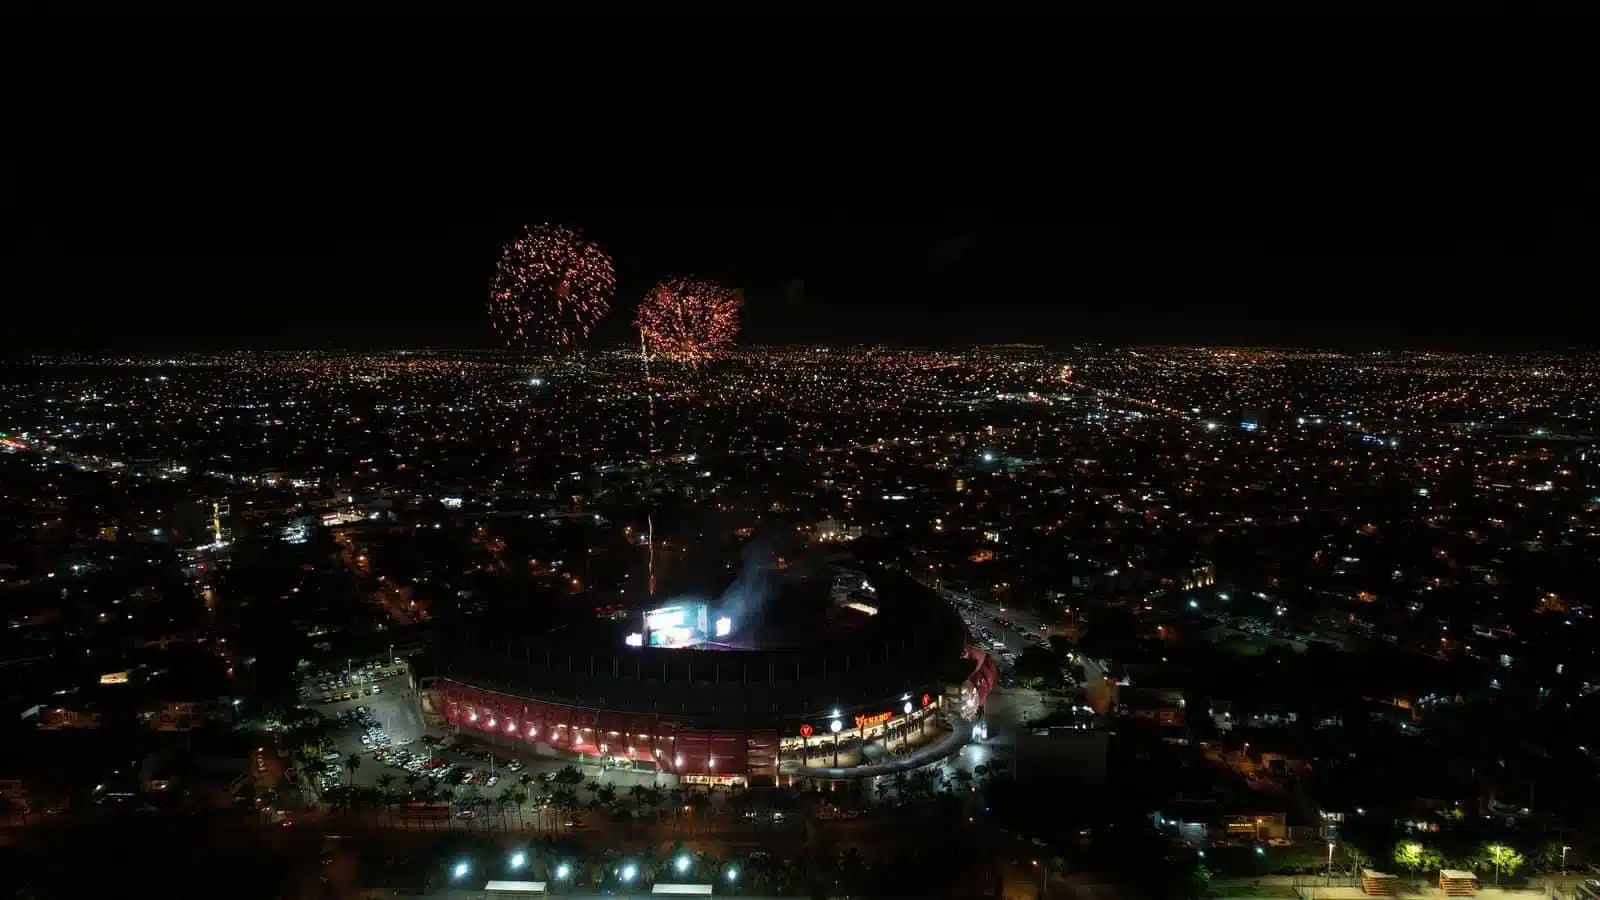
{"points": [[593, 787], [698, 802], [385, 781], [410, 782], [351, 764], [564, 799], [517, 796], [640, 795]]}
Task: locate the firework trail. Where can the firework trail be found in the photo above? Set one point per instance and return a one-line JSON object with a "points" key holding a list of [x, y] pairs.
{"points": [[650, 451], [689, 320], [550, 288]]}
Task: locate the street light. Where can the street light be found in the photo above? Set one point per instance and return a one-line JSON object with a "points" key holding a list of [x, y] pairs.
{"points": [[519, 859], [733, 873], [1330, 861], [683, 863], [563, 872], [1564, 849], [628, 871], [461, 869]]}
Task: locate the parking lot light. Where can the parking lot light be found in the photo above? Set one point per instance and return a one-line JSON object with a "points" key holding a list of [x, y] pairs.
{"points": [[461, 870], [519, 859], [683, 863], [628, 871], [563, 872]]}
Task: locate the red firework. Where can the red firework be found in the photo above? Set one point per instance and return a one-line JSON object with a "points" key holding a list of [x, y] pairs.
{"points": [[550, 288], [689, 320]]}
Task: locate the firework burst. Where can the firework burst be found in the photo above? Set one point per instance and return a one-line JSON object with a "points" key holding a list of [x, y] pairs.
{"points": [[550, 288], [688, 320]]}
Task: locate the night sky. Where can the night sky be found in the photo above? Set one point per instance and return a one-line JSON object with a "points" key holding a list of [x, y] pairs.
{"points": [[264, 250]]}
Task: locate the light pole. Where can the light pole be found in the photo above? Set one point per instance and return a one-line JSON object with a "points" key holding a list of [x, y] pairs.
{"points": [[1564, 849], [1330, 863]]}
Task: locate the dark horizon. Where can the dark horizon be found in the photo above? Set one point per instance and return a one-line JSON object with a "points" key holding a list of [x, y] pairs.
{"points": [[1374, 257]]}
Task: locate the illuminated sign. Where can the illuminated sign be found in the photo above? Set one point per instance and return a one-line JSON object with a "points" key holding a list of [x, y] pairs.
{"points": [[667, 617], [806, 730], [927, 700], [114, 678], [875, 719], [724, 626]]}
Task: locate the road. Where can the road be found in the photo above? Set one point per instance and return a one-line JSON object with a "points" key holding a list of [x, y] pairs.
{"points": [[1099, 691]]}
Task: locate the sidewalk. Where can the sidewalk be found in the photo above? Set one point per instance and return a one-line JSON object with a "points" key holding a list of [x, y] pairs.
{"points": [[951, 742]]}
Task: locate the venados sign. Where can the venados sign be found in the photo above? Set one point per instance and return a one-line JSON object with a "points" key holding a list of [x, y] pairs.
{"points": [[875, 719]]}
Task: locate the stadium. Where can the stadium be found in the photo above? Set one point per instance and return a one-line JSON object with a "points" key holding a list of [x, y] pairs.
{"points": [[824, 675]]}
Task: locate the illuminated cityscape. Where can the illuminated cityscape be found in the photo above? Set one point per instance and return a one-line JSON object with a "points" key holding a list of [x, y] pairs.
{"points": [[1037, 508], [397, 565]]}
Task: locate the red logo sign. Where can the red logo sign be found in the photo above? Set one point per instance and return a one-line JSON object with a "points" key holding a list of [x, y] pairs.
{"points": [[874, 719], [806, 731], [927, 700]]}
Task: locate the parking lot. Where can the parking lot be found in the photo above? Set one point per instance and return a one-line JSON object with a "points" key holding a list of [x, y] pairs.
{"points": [[380, 724]]}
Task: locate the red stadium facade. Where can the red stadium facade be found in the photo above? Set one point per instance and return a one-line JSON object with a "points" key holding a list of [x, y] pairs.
{"points": [[750, 715], [653, 740]]}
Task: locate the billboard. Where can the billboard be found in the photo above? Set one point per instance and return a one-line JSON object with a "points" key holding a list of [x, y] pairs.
{"points": [[675, 626]]}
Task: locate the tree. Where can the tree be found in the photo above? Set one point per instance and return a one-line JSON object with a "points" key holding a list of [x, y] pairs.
{"points": [[640, 795], [351, 764], [1502, 857], [518, 796], [385, 781], [698, 802], [1358, 858], [1038, 667], [1548, 857], [1414, 857], [963, 780]]}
